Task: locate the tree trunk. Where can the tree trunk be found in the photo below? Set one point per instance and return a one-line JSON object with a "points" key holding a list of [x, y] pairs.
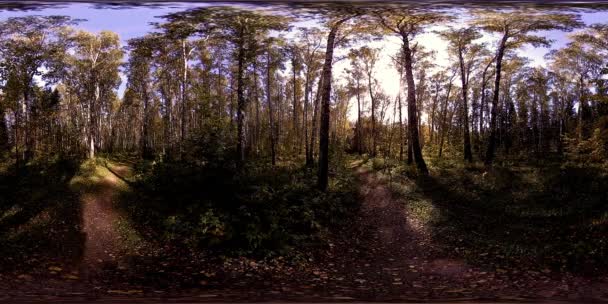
{"points": [[29, 119], [359, 126], [468, 155], [93, 121], [240, 112], [433, 110], [182, 135], [400, 128], [444, 122], [581, 107], [373, 100], [411, 105], [146, 151], [474, 119], [296, 139], [256, 97], [483, 103], [419, 105], [401, 137], [492, 139], [307, 93], [315, 120], [322, 179], [273, 154], [3, 132]]}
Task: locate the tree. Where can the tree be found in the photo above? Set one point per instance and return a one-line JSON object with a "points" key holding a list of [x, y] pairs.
{"points": [[273, 63], [515, 28], [485, 75], [178, 31], [311, 41], [95, 66], [243, 30], [460, 45], [28, 45], [368, 57], [444, 111], [294, 53], [339, 29], [325, 91], [139, 80], [397, 62], [355, 74], [580, 65], [423, 60], [407, 24]]}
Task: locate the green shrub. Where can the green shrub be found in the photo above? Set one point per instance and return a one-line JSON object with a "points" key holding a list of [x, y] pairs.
{"points": [[378, 164], [262, 211]]}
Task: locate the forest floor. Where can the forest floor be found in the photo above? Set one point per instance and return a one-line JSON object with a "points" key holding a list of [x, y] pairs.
{"points": [[390, 252]]}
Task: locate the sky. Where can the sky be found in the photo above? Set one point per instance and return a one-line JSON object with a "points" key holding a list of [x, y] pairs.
{"points": [[134, 22]]}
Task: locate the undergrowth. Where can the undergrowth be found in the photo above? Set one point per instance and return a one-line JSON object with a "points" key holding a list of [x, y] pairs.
{"points": [[261, 211], [549, 216]]}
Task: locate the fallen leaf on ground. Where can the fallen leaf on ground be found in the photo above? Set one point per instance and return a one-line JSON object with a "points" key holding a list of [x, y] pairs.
{"points": [[70, 277], [125, 292]]}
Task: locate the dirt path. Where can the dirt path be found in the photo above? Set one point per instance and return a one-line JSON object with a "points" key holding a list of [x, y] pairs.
{"points": [[396, 251], [99, 218], [103, 224], [391, 255]]}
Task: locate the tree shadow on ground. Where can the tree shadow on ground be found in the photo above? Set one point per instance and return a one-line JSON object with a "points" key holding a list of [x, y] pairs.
{"points": [[543, 218], [40, 218]]}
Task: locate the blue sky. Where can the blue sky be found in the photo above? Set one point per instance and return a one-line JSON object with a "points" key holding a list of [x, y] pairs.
{"points": [[128, 22], [134, 22]]}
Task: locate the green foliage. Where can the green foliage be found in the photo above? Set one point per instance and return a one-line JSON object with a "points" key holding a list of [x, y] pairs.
{"points": [[526, 214], [378, 164], [551, 216], [593, 150], [262, 212], [211, 145], [35, 207]]}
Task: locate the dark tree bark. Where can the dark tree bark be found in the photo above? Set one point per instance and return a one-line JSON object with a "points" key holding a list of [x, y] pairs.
{"points": [[307, 92], [273, 154], [315, 122], [359, 126], [483, 102], [3, 132], [492, 139], [401, 138], [468, 155], [411, 106], [373, 100], [444, 122], [240, 112], [146, 151], [183, 118], [256, 98], [322, 179], [433, 110], [296, 128]]}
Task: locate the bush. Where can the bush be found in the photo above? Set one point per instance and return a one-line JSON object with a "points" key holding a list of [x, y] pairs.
{"points": [[378, 164], [593, 150], [263, 211]]}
